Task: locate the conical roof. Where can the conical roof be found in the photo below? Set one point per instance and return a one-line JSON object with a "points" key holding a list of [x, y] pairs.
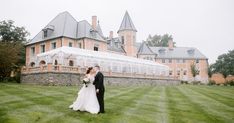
{"points": [[127, 23]]}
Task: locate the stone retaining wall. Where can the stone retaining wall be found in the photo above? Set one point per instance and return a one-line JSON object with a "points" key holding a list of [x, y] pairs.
{"points": [[51, 78]]}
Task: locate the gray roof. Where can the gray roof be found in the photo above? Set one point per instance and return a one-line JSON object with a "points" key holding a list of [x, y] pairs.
{"points": [[115, 45], [144, 49], [65, 25], [178, 52], [127, 23], [99, 30], [86, 30]]}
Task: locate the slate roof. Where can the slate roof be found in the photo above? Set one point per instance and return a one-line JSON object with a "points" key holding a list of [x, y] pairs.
{"points": [[144, 49], [98, 28], [127, 23], [178, 52], [115, 45], [66, 25]]}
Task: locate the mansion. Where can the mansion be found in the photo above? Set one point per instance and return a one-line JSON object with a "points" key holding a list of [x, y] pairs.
{"points": [[69, 43]]}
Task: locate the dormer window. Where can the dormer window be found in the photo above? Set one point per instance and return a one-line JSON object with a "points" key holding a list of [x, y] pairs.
{"points": [[47, 31], [93, 33], [191, 51], [162, 51]]}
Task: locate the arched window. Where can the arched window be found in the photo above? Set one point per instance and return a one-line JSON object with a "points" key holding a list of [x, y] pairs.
{"points": [[55, 62], [42, 62], [32, 64], [71, 63]]}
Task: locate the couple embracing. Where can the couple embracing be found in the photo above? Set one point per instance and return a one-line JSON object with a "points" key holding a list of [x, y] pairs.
{"points": [[91, 95]]}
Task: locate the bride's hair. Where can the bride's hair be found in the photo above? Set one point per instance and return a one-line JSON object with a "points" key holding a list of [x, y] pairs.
{"points": [[89, 69]]}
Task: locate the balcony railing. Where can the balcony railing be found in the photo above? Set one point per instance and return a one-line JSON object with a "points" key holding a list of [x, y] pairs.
{"points": [[82, 70]]}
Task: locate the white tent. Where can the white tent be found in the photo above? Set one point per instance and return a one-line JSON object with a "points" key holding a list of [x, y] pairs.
{"points": [[107, 61]]}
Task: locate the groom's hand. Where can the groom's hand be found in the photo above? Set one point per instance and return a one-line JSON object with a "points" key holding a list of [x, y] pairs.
{"points": [[97, 90]]}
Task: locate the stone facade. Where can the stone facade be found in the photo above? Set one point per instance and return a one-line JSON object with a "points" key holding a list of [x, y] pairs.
{"points": [[51, 78]]}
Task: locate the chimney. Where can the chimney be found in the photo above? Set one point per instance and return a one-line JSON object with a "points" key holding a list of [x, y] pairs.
{"points": [[94, 22], [170, 44], [111, 35]]}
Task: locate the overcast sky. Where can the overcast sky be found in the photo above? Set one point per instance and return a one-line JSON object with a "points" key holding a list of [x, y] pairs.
{"points": [[205, 24]]}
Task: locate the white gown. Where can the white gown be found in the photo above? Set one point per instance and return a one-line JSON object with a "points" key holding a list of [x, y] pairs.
{"points": [[87, 99]]}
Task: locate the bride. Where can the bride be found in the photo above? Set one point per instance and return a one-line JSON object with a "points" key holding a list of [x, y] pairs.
{"points": [[87, 99]]}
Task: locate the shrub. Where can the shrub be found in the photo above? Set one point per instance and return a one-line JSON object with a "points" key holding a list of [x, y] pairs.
{"points": [[183, 82], [196, 82], [231, 83], [211, 82]]}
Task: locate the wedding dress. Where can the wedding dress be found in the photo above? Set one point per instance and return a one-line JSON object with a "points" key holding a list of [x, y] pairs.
{"points": [[87, 99]]}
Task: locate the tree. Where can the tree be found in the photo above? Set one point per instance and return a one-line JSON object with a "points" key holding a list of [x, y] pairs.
{"points": [[224, 64], [194, 70], [158, 40], [12, 50]]}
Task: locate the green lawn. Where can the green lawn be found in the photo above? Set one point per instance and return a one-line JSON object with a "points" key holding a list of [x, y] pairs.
{"points": [[162, 104]]}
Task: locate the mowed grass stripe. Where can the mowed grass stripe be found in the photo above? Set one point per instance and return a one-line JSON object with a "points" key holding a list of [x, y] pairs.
{"points": [[123, 103], [217, 91], [229, 102], [132, 113], [184, 110], [32, 103], [162, 115], [217, 111], [44, 102]]}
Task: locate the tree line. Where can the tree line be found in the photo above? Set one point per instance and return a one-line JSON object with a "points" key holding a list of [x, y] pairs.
{"points": [[12, 50], [14, 38]]}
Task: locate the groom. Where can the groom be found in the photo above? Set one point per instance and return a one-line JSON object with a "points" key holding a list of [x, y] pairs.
{"points": [[100, 89]]}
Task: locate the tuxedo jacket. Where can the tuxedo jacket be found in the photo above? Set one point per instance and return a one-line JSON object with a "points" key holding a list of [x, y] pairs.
{"points": [[98, 82]]}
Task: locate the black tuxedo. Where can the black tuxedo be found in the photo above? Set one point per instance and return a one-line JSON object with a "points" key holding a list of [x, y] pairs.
{"points": [[99, 84]]}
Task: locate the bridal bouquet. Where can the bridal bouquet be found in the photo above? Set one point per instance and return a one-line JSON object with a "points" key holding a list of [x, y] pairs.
{"points": [[86, 81]]}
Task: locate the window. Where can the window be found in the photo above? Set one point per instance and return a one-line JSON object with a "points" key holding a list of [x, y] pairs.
{"points": [[170, 72], [45, 33], [95, 48], [79, 45], [32, 64], [178, 72], [42, 62], [198, 72], [32, 51], [42, 48], [122, 39], [163, 60], [185, 72], [71, 63], [55, 62], [53, 45], [70, 44], [170, 60], [197, 61]]}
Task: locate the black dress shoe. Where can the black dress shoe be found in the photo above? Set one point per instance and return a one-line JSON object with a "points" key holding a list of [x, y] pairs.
{"points": [[102, 112]]}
